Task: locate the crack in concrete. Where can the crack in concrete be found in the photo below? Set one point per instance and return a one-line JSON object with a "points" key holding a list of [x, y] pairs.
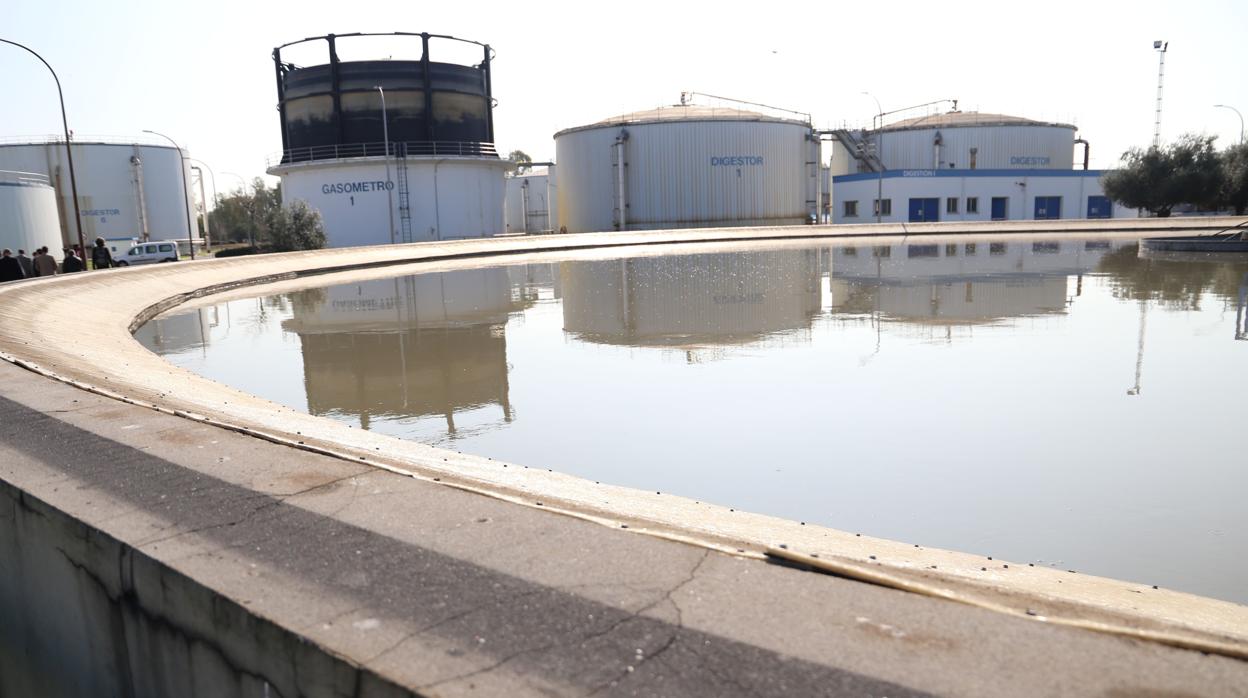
{"points": [[671, 640], [615, 625], [127, 599]]}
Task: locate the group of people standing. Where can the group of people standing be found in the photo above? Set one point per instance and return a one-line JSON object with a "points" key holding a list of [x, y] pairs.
{"points": [[15, 268]]}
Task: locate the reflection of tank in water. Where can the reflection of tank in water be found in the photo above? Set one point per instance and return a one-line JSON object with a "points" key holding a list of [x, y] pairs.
{"points": [[406, 347], [960, 283], [177, 334], [691, 300]]}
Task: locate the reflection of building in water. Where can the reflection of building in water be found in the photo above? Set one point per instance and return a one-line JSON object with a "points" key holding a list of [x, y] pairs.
{"points": [[960, 283], [691, 300], [407, 347], [175, 334]]}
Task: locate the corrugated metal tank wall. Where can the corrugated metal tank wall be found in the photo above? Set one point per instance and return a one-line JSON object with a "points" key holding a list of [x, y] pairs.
{"points": [[998, 147], [28, 216], [109, 195], [685, 174], [527, 210]]}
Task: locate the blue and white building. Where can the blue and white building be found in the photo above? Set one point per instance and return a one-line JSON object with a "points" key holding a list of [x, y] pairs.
{"points": [[966, 166]]}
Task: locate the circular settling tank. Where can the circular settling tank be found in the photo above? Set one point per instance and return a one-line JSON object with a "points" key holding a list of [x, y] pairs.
{"points": [[1064, 403]]}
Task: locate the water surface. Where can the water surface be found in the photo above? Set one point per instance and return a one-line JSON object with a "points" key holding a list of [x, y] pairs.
{"points": [[1063, 402]]}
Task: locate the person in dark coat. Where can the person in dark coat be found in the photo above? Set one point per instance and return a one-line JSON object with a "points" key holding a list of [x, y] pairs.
{"points": [[72, 262], [101, 258], [10, 269], [28, 267]]}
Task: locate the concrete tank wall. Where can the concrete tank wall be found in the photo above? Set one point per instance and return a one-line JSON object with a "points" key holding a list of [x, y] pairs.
{"points": [[686, 174], [451, 198], [28, 216], [117, 197]]}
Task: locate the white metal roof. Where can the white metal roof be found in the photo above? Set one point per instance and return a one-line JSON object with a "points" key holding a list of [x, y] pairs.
{"points": [[682, 112], [963, 119]]}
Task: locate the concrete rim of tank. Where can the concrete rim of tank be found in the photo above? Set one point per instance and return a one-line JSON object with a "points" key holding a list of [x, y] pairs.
{"points": [[77, 329]]}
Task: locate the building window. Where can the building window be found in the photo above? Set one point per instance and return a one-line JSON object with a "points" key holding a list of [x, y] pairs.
{"points": [[970, 249], [883, 210], [851, 209], [850, 251], [914, 251], [951, 250], [972, 204], [951, 204], [882, 251], [996, 248]]}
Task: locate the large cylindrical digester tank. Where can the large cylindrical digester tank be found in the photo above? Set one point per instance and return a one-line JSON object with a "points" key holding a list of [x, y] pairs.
{"points": [[686, 167], [28, 215], [973, 140], [125, 190], [335, 109]]}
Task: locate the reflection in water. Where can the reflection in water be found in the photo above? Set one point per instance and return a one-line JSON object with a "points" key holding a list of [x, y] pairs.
{"points": [[407, 347], [691, 301], [960, 284], [1019, 439]]}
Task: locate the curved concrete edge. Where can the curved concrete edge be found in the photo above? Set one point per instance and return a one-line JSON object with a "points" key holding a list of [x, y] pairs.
{"points": [[77, 329]]}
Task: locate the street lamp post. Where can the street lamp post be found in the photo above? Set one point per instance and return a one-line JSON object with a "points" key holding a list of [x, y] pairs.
{"points": [[69, 153], [385, 134], [1241, 119], [186, 194], [879, 157]]}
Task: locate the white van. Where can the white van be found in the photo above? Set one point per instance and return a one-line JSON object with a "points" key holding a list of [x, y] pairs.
{"points": [[149, 253]]}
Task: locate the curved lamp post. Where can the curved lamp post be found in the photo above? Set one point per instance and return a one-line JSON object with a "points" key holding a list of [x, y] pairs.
{"points": [[69, 153], [186, 195], [1241, 118]]}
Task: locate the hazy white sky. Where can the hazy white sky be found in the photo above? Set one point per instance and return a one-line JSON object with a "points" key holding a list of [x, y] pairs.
{"points": [[202, 72]]}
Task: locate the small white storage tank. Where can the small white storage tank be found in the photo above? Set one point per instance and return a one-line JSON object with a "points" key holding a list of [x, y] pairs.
{"points": [[686, 167], [28, 218], [125, 190], [528, 203], [974, 140]]}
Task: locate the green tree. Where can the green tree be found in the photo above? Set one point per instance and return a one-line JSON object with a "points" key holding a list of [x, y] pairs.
{"points": [[242, 216], [294, 227], [1188, 171], [522, 160], [1235, 178]]}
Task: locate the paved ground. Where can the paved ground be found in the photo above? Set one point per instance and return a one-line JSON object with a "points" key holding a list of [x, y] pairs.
{"points": [[451, 593]]}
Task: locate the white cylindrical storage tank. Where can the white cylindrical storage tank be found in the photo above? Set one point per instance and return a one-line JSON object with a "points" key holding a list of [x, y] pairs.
{"points": [[125, 190], [972, 140], [28, 217], [685, 167], [446, 198], [528, 208]]}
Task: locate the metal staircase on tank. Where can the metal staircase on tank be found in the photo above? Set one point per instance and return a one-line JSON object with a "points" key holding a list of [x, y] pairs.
{"points": [[860, 148], [405, 199]]}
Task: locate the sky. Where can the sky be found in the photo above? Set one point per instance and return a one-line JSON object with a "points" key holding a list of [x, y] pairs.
{"points": [[203, 74]]}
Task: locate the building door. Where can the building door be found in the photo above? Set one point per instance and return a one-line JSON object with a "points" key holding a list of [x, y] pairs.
{"points": [[1000, 210], [924, 210], [1099, 207], [1048, 208]]}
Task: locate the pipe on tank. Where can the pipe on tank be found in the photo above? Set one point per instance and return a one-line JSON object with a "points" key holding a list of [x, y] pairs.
{"points": [[620, 178], [1086, 147]]}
